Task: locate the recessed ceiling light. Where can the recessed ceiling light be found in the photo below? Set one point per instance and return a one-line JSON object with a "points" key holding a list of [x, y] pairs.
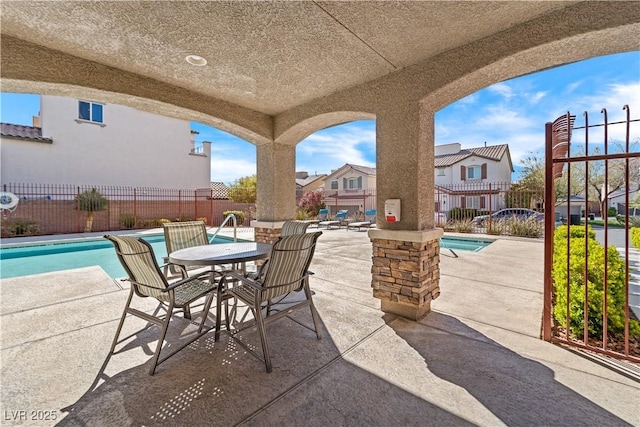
{"points": [[196, 60]]}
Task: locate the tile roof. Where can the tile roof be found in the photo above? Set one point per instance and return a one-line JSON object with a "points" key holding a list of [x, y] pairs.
{"points": [[363, 169], [309, 179], [28, 133], [219, 190], [492, 152]]}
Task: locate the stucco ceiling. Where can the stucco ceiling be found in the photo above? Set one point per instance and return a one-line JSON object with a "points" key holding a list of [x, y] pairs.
{"points": [[265, 56]]}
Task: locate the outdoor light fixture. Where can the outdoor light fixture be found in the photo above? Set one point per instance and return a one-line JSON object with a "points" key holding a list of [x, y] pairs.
{"points": [[196, 60]]}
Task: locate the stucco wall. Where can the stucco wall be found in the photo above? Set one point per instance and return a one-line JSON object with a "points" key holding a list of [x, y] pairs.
{"points": [[133, 148]]}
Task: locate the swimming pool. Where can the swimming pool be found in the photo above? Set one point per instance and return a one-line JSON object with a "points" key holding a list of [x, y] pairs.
{"points": [[464, 243], [57, 256]]}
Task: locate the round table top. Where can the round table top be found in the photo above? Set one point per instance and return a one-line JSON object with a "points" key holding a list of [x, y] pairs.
{"points": [[221, 253]]}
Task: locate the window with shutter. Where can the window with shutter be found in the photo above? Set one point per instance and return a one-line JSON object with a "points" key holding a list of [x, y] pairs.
{"points": [[483, 173], [463, 202], [482, 202], [463, 173]]}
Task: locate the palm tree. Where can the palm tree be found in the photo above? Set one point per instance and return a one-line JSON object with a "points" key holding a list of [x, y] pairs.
{"points": [[90, 201]]}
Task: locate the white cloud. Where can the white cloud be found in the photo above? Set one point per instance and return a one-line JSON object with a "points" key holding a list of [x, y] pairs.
{"points": [[229, 169], [502, 89], [536, 97]]}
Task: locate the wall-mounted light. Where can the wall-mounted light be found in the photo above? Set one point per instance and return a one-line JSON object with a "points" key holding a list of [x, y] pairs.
{"points": [[196, 60]]}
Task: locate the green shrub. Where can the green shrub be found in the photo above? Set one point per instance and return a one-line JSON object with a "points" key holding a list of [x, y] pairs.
{"points": [[595, 285], [202, 218], [459, 213], [302, 214], [635, 237], [239, 216], [612, 212], [161, 221], [497, 227], [184, 218], [21, 227], [462, 225], [529, 227], [127, 220]]}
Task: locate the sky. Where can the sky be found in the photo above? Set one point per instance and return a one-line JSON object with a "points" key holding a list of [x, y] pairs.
{"points": [[512, 112]]}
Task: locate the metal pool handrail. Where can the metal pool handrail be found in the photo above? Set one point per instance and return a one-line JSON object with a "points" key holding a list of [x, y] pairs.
{"points": [[235, 227]]}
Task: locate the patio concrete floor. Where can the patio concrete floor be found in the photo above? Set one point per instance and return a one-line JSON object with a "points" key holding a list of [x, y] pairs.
{"points": [[476, 359]]}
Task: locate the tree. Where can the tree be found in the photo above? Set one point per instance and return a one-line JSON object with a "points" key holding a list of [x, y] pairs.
{"points": [[90, 201], [244, 190], [615, 170], [532, 177], [311, 202]]}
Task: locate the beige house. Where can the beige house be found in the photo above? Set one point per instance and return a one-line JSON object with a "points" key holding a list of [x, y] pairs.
{"points": [[351, 187], [79, 142], [463, 176]]}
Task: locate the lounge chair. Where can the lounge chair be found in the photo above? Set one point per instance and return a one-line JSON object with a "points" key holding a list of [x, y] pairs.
{"points": [[370, 220], [147, 281], [340, 217], [288, 272]]}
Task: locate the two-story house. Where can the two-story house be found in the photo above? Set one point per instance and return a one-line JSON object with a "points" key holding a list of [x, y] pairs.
{"points": [[471, 178], [81, 142], [351, 187]]}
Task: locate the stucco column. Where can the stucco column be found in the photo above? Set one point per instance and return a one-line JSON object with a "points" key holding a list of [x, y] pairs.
{"points": [[406, 260], [276, 189]]}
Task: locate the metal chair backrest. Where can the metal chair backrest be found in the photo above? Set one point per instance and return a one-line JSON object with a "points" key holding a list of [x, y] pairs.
{"points": [[288, 264], [180, 235], [137, 257], [294, 227]]}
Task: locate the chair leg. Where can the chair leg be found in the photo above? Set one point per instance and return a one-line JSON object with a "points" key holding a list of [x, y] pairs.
{"points": [[205, 311], [263, 338], [187, 312], [124, 315], [221, 285], [165, 326], [314, 312]]}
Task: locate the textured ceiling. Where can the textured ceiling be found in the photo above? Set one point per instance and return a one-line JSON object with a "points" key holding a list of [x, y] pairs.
{"points": [[264, 56]]}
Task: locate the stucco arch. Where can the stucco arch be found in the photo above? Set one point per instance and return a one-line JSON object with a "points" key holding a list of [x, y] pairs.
{"points": [[30, 71], [296, 133], [554, 54]]}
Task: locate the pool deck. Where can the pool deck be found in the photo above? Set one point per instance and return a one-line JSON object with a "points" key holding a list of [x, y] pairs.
{"points": [[476, 359]]}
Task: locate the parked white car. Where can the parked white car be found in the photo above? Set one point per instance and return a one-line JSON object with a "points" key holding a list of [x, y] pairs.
{"points": [[509, 213]]}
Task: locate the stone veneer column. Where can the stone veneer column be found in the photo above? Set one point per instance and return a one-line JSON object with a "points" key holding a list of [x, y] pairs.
{"points": [[406, 256], [406, 271]]}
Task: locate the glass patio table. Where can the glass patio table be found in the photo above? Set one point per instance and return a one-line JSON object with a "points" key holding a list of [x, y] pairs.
{"points": [[218, 255]]}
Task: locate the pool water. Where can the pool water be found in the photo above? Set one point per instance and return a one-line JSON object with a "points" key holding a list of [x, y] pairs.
{"points": [[464, 244], [47, 257]]}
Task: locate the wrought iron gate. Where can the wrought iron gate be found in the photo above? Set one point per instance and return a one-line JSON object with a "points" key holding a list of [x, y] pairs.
{"points": [[592, 271]]}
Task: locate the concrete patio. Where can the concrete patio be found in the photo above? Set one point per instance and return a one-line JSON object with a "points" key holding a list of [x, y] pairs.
{"points": [[476, 359]]}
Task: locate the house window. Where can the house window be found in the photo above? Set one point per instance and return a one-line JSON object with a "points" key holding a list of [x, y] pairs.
{"points": [[90, 111], [440, 171], [355, 183], [473, 172], [334, 185]]}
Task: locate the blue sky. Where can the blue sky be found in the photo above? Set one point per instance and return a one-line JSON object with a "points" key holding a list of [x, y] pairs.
{"points": [[511, 112]]}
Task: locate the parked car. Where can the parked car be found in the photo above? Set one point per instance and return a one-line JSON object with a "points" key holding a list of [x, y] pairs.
{"points": [[509, 213]]}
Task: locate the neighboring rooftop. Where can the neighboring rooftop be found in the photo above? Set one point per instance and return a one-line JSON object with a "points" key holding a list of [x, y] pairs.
{"points": [[491, 152], [219, 190], [29, 133]]}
